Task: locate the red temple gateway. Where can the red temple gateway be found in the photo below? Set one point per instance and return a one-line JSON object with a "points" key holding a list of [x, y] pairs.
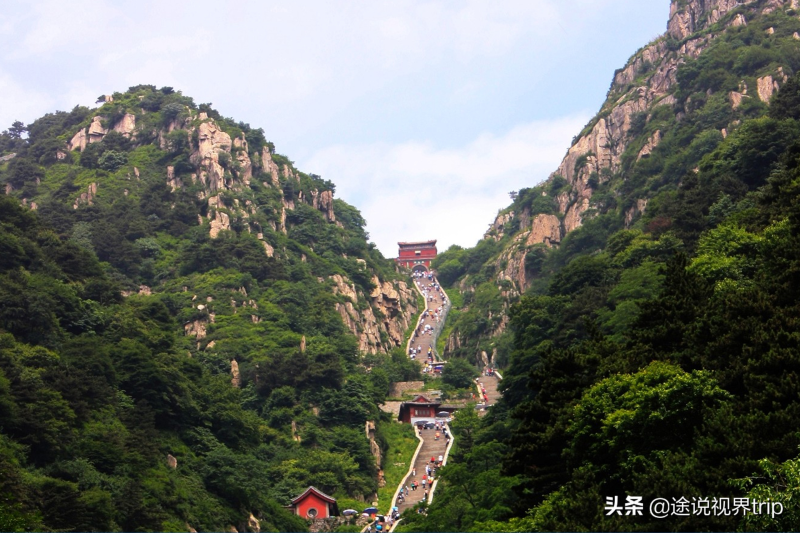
{"points": [[416, 255]]}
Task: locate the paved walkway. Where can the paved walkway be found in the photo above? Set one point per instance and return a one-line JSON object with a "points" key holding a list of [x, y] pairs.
{"points": [[430, 448], [423, 338], [488, 384]]}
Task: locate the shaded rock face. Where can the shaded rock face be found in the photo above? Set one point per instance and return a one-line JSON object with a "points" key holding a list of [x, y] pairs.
{"points": [[394, 301], [173, 181], [634, 210]]}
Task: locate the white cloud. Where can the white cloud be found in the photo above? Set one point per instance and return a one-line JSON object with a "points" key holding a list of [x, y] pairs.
{"points": [[416, 190], [405, 87], [20, 103], [72, 27]]}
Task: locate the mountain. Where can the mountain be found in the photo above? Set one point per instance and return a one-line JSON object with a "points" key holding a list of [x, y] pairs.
{"points": [[641, 303], [188, 324], [676, 100]]}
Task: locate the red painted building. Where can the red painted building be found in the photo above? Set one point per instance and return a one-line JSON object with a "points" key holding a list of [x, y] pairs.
{"points": [[314, 503], [416, 255], [420, 409]]}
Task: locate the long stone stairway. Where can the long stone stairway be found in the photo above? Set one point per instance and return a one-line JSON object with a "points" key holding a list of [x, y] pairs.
{"points": [[430, 448]]}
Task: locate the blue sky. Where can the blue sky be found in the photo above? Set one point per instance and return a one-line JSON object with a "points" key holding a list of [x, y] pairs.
{"points": [[424, 113]]}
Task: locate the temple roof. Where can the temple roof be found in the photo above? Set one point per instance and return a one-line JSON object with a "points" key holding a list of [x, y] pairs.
{"points": [[318, 492]]}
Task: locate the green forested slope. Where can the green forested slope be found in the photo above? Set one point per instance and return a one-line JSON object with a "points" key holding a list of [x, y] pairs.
{"points": [[121, 312], [652, 354]]}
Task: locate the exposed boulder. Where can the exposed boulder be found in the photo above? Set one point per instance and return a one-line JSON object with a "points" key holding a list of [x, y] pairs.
{"points": [[253, 525], [219, 219], [87, 197], [96, 130], [126, 125], [736, 98], [196, 328], [78, 141], [172, 462], [235, 380], [766, 88]]}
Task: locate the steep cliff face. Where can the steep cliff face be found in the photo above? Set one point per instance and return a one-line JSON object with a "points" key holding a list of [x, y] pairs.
{"points": [[380, 325], [648, 81], [719, 64]]}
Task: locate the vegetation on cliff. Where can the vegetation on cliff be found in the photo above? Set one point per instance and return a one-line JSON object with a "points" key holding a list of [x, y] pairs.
{"points": [[644, 298], [187, 325]]}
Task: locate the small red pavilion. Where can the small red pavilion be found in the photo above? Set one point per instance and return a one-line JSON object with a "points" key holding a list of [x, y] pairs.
{"points": [[314, 503], [416, 255]]}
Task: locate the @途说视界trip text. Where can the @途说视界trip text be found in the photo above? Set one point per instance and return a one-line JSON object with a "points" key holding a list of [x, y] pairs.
{"points": [[666, 507]]}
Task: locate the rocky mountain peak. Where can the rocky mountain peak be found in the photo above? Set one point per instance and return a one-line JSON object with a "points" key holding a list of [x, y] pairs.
{"points": [[622, 133]]}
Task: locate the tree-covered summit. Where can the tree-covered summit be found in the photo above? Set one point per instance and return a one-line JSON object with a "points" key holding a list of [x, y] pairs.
{"points": [[191, 329]]}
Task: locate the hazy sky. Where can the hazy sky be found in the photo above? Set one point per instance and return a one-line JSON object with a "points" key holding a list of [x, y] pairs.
{"points": [[424, 113]]}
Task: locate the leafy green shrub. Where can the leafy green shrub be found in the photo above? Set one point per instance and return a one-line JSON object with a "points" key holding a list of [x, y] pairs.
{"points": [[111, 160]]}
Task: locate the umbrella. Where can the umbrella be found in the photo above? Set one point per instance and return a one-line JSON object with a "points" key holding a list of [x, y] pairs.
{"points": [[443, 414], [349, 512], [371, 510]]}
